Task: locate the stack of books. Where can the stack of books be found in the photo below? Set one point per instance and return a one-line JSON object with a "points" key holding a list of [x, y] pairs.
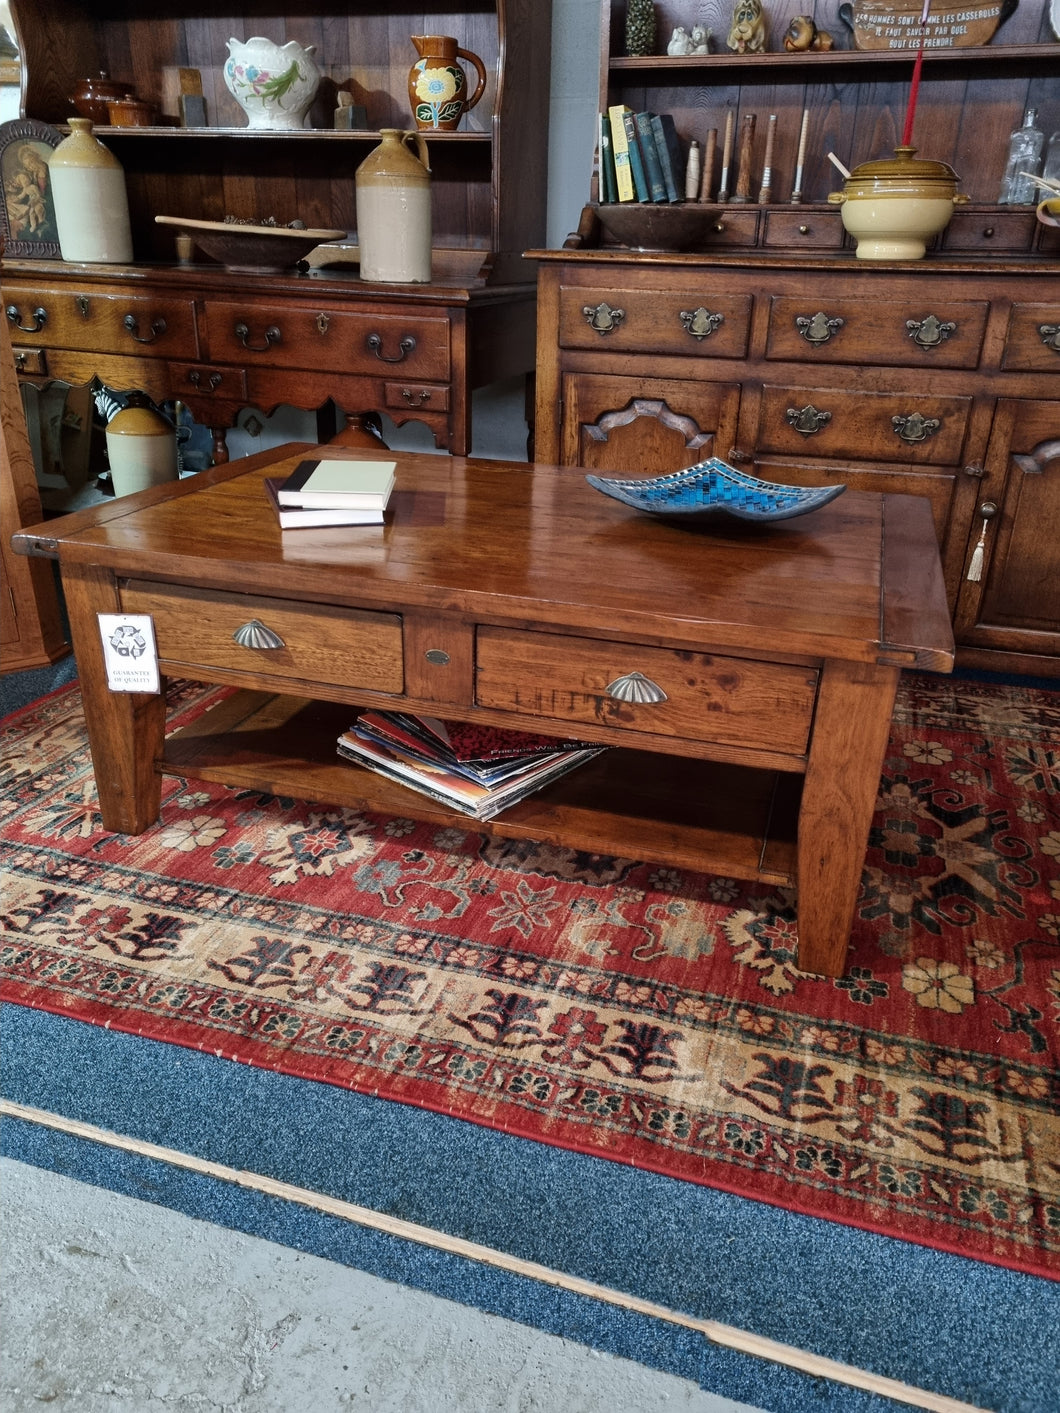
{"points": [[477, 770], [641, 156], [338, 491]]}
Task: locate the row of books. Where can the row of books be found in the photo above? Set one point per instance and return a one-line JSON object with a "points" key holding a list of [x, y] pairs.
{"points": [[476, 770], [641, 156], [336, 491]]}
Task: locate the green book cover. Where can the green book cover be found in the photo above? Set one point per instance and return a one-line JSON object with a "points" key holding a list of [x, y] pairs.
{"points": [[636, 161], [671, 155], [652, 164], [608, 185]]}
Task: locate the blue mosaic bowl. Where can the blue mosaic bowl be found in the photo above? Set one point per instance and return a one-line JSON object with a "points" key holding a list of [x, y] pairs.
{"points": [[712, 488]]}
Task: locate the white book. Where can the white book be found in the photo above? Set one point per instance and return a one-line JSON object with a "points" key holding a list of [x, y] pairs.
{"points": [[338, 483]]}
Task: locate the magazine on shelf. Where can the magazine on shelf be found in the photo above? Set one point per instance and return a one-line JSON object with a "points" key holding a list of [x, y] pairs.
{"points": [[394, 745]]}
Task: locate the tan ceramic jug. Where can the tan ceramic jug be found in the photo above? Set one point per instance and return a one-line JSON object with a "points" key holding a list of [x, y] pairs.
{"points": [[394, 210], [91, 205], [438, 85]]}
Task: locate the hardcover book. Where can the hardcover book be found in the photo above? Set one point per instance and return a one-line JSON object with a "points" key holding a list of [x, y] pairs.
{"points": [[339, 484], [608, 186], [301, 518], [671, 155], [620, 149], [636, 159], [652, 165]]}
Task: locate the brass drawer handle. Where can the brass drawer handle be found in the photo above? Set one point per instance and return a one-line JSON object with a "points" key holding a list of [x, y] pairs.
{"points": [[929, 332], [635, 687], [700, 323], [132, 325], [601, 318], [272, 335], [914, 428], [807, 420], [214, 380], [818, 328], [13, 315], [255, 635], [424, 395], [1049, 334], [405, 347]]}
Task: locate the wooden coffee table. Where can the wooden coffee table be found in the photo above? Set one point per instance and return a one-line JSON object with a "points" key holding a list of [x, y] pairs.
{"points": [[518, 596]]}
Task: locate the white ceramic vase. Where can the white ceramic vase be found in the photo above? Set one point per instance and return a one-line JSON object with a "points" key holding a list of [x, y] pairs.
{"points": [[274, 84]]}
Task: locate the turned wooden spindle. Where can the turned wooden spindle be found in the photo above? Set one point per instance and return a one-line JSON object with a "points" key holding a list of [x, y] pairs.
{"points": [[743, 174]]}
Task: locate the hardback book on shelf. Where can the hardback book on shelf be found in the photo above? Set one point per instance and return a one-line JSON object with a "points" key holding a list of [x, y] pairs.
{"points": [[309, 518], [652, 164], [339, 483], [608, 188], [620, 149], [418, 752]]}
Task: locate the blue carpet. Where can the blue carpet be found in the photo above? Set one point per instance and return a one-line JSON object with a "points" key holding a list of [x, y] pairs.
{"points": [[973, 1331]]}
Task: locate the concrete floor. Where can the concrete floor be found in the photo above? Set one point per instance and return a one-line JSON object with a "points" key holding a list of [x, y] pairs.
{"points": [[111, 1303]]}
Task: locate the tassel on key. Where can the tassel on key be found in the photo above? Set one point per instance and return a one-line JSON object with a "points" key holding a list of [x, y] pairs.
{"points": [[975, 569]]}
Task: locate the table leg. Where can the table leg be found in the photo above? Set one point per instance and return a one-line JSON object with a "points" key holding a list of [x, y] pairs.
{"points": [[851, 726], [125, 730]]}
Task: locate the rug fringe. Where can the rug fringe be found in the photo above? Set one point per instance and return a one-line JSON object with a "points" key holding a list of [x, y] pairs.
{"points": [[728, 1336]]}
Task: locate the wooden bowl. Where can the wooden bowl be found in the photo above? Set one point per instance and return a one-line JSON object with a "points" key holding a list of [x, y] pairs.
{"points": [[251, 249], [658, 226]]}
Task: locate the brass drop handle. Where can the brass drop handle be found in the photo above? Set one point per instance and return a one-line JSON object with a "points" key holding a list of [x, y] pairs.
{"points": [[975, 569], [807, 420], [13, 315], [818, 328], [602, 318], [700, 323], [914, 427], [195, 378], [424, 395], [1048, 333], [132, 325], [272, 335], [255, 634], [405, 347], [930, 331]]}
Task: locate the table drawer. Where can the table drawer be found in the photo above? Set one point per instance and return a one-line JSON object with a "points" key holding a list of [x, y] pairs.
{"points": [[731, 701], [305, 336], [807, 229], [195, 629], [990, 231], [1033, 341], [930, 333], [829, 422], [98, 322], [655, 321]]}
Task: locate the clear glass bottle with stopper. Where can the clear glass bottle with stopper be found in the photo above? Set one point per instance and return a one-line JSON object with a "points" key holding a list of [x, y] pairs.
{"points": [[1018, 187]]}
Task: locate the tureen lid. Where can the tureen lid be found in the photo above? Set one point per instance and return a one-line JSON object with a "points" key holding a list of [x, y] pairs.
{"points": [[901, 169]]}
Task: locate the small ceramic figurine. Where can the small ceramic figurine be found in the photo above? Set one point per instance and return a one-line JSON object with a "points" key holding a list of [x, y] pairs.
{"points": [[748, 32], [700, 40], [679, 41], [803, 34]]}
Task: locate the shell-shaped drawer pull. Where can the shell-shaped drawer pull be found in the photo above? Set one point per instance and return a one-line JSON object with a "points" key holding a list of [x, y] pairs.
{"points": [[255, 635], [635, 687]]}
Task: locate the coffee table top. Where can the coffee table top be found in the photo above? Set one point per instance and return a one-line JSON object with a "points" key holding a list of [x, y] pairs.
{"points": [[858, 579]]}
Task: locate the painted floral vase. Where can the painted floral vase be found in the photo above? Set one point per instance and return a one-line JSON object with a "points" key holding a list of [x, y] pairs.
{"points": [[438, 85], [274, 84]]}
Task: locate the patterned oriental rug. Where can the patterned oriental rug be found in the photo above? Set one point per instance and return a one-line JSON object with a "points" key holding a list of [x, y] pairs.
{"points": [[634, 1012]]}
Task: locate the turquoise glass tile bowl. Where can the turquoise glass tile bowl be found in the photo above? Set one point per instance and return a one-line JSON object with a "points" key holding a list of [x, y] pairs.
{"points": [[712, 488]]}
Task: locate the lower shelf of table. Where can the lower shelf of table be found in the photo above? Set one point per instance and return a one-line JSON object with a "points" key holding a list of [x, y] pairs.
{"points": [[721, 819]]}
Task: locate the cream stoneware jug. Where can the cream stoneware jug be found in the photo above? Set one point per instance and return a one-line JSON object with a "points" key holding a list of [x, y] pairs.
{"points": [[393, 189]]}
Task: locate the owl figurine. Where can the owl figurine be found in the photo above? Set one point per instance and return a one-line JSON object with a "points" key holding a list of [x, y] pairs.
{"points": [[748, 32]]}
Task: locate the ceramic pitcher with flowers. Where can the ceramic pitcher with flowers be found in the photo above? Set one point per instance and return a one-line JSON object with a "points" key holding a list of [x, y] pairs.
{"points": [[438, 85], [274, 84]]}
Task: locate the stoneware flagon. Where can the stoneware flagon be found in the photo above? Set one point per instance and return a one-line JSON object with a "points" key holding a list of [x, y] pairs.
{"points": [[91, 205], [438, 88], [393, 194], [274, 84]]}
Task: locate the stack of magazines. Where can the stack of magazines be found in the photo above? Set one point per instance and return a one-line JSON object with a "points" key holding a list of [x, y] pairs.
{"points": [[478, 770]]}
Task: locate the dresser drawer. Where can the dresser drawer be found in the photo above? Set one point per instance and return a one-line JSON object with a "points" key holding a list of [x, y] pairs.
{"points": [[341, 647], [655, 321], [928, 334], [731, 701], [1033, 341], [826, 422], [306, 336], [806, 229], [97, 322], [990, 230]]}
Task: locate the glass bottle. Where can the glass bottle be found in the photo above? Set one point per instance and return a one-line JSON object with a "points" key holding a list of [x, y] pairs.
{"points": [[1024, 155], [1051, 167]]}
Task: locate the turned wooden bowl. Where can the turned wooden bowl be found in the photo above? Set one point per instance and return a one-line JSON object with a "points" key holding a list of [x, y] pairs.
{"points": [[251, 249], [681, 225]]}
